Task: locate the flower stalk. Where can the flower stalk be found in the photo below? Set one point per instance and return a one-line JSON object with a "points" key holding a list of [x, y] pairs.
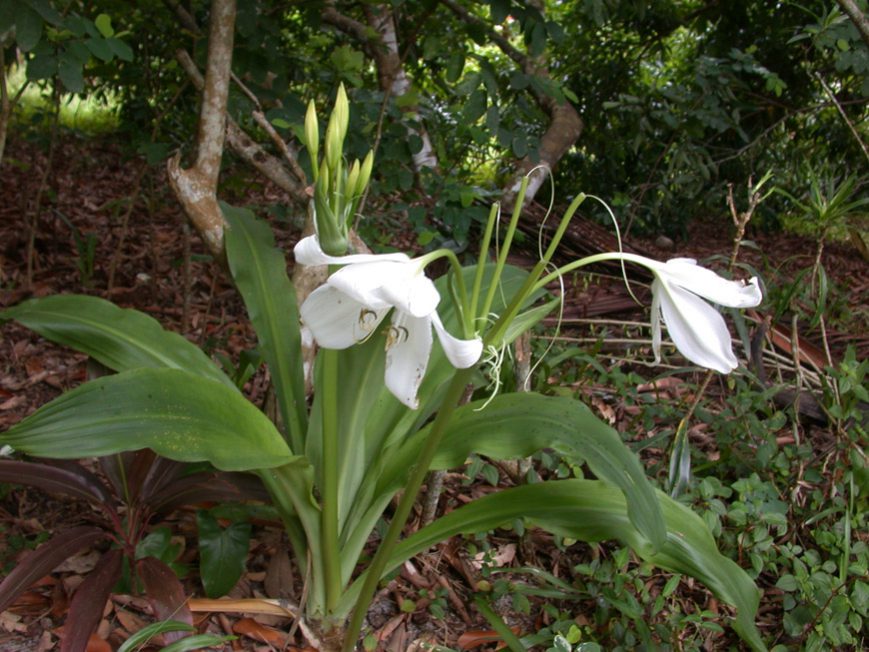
{"points": [[418, 473]]}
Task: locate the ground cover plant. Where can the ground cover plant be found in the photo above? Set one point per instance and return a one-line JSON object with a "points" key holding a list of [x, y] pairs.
{"points": [[344, 438]]}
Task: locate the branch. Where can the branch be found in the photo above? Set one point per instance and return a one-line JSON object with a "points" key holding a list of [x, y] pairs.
{"points": [[857, 17], [506, 47], [246, 148], [196, 188], [565, 125]]}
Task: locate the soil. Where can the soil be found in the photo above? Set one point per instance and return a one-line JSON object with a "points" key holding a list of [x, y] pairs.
{"points": [[159, 268]]}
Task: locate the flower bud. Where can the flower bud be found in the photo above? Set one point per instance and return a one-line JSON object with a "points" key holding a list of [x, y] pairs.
{"points": [[312, 136], [365, 172], [351, 189], [336, 130], [342, 111]]}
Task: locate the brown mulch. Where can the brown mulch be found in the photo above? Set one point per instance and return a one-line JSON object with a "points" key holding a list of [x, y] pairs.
{"points": [[161, 271]]}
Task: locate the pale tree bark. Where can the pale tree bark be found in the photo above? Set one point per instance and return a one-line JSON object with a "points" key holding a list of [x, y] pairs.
{"points": [[565, 125], [391, 75], [196, 187], [861, 22], [394, 78]]}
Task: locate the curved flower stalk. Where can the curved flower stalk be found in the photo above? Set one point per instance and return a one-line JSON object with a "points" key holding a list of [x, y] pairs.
{"points": [[680, 292], [356, 299]]}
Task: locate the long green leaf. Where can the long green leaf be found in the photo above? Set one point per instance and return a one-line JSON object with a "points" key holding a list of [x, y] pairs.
{"points": [[260, 273], [121, 339], [180, 416], [590, 510], [517, 425]]}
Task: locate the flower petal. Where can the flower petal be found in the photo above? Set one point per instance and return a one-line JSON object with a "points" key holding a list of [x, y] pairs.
{"points": [[697, 329], [415, 294], [407, 353], [336, 320], [706, 283], [308, 252], [461, 353], [364, 282]]}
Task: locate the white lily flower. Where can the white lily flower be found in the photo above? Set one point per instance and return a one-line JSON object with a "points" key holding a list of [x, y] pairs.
{"points": [[679, 294], [355, 299]]}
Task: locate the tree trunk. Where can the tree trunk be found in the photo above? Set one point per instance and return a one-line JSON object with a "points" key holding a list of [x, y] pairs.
{"points": [[394, 80], [196, 188]]}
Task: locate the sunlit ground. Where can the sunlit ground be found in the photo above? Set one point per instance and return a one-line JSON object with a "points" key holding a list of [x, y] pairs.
{"points": [[90, 115]]}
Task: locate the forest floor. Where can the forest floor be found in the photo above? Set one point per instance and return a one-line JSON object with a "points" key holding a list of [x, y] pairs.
{"points": [[88, 239]]}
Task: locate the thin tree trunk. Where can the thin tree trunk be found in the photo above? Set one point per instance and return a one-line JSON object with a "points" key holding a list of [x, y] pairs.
{"points": [[43, 184], [196, 187], [394, 80], [391, 75], [5, 105]]}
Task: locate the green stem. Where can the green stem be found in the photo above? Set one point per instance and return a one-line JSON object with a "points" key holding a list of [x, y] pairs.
{"points": [[582, 262], [329, 490], [505, 248], [417, 475], [482, 261]]}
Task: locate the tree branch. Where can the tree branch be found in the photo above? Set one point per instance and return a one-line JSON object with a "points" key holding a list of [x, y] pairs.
{"points": [[565, 125], [243, 146], [857, 17]]}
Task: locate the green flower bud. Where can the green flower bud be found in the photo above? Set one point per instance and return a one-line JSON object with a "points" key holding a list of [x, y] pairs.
{"points": [[365, 172], [342, 111], [312, 136], [337, 129], [351, 189]]}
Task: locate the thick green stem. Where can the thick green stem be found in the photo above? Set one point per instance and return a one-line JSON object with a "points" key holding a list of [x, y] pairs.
{"points": [[329, 490], [417, 475]]}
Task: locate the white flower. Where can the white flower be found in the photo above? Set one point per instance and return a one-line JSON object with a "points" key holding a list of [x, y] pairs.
{"points": [[356, 298], [698, 330]]}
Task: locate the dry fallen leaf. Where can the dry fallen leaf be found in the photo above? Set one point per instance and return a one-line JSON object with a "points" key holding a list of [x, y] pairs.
{"points": [[258, 632]]}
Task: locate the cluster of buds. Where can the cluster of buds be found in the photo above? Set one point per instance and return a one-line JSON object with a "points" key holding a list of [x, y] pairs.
{"points": [[337, 188]]}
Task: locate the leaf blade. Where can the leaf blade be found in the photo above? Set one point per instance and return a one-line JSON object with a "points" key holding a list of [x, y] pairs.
{"points": [[259, 271], [180, 416], [119, 338]]}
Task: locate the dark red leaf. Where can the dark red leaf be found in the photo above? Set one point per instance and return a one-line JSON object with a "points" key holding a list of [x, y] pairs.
{"points": [[165, 593], [45, 558], [71, 480], [208, 487], [88, 602]]}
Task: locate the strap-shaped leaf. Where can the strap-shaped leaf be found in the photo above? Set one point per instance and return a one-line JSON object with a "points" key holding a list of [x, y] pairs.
{"points": [[260, 273], [45, 558], [180, 416], [76, 482], [517, 425], [119, 338], [590, 510], [89, 601]]}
